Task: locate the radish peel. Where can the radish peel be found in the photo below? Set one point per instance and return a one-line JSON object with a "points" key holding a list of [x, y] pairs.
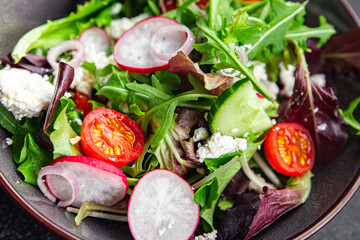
{"points": [[78, 179]]}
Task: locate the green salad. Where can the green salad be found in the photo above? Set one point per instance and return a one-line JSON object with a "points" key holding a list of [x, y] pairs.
{"points": [[186, 119]]}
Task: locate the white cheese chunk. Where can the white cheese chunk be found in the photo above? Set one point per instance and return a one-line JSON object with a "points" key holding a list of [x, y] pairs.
{"points": [[24, 93], [218, 145], [287, 78], [261, 75], [200, 134]]}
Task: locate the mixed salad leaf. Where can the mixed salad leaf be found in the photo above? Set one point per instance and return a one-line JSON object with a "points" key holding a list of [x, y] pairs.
{"points": [[203, 118]]}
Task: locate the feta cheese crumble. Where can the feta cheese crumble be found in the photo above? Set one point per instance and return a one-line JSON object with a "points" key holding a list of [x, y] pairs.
{"points": [[118, 26], [319, 79], [287, 78], [23, 93], [83, 81], [218, 145], [200, 134], [322, 127], [207, 236], [262, 77]]}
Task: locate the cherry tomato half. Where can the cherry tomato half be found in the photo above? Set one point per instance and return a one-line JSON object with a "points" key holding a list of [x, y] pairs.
{"points": [[289, 149], [111, 136], [82, 103]]}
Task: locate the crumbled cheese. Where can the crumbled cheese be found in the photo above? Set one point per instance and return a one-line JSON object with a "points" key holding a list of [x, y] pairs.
{"points": [[99, 58], [200, 134], [118, 26], [253, 186], [319, 79], [218, 145], [262, 77], [83, 81], [78, 121], [8, 141], [24, 93], [322, 127], [234, 130], [115, 9], [207, 236], [287, 78], [273, 121], [75, 140]]}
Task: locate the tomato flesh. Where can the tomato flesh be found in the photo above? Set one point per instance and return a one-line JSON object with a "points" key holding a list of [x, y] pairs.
{"points": [[289, 149], [111, 136], [82, 103]]}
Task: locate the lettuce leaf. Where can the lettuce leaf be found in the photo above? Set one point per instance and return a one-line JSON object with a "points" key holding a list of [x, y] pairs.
{"points": [[34, 158], [92, 13], [62, 135]]}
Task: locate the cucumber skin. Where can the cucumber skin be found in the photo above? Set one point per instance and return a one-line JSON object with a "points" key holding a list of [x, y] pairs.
{"points": [[221, 102]]}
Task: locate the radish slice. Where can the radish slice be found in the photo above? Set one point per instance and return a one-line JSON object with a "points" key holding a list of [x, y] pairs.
{"points": [[168, 40], [95, 40], [132, 50], [63, 47], [78, 179], [162, 207]]}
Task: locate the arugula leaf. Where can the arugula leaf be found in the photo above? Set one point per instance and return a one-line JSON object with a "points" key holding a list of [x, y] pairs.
{"points": [[34, 158], [62, 135], [348, 115], [282, 16], [54, 32], [7, 119], [231, 59], [301, 34]]}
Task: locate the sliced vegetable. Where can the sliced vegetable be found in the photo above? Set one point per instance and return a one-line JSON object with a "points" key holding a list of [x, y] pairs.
{"points": [[83, 103], [290, 149], [67, 179], [132, 51], [95, 39], [63, 47], [111, 136], [170, 39], [238, 111], [162, 207]]}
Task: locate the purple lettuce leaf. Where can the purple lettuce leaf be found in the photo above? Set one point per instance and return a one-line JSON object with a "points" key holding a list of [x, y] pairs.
{"points": [[274, 203], [32, 62], [238, 184], [254, 211], [317, 109], [344, 48], [238, 219], [182, 65], [63, 81]]}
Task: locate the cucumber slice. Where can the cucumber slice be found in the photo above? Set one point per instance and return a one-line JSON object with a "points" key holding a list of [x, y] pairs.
{"points": [[238, 111]]}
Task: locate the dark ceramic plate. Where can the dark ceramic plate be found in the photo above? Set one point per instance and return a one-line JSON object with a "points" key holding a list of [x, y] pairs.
{"points": [[332, 186]]}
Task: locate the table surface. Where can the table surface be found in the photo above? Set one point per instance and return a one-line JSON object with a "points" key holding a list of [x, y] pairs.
{"points": [[15, 223]]}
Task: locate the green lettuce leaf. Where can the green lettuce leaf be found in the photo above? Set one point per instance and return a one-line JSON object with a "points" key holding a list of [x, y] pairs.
{"points": [[7, 119], [34, 158], [348, 115], [62, 135]]}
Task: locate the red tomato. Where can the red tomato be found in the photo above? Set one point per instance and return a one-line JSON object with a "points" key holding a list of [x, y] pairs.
{"points": [[82, 103], [111, 136], [289, 149]]}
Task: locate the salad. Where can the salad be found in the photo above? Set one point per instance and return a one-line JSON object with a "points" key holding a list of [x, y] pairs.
{"points": [[186, 119]]}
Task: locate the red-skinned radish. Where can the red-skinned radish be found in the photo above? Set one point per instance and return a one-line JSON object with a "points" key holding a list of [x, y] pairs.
{"points": [[133, 49], [78, 179], [95, 39], [162, 206]]}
